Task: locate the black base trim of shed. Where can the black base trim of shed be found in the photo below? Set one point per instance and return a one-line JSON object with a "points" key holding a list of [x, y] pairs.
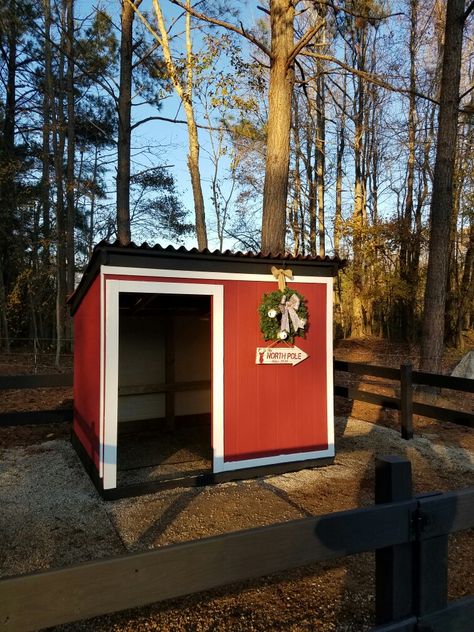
{"points": [[87, 462], [194, 480]]}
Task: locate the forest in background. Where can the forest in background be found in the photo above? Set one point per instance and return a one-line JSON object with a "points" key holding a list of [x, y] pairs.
{"points": [[315, 127]]}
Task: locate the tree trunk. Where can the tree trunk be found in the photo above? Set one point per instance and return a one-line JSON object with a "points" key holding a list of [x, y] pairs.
{"points": [[194, 172], [193, 156], [466, 290], [185, 93], [320, 157], [341, 138], [59, 141], [408, 303], [275, 189], [4, 333], [7, 178], [442, 196], [90, 235], [124, 234], [45, 156], [359, 214], [297, 198], [71, 148]]}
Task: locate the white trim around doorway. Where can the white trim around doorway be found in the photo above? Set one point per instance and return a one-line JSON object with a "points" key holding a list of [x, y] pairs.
{"points": [[113, 287]]}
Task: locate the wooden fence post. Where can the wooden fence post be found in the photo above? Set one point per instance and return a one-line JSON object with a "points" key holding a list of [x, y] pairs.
{"points": [[406, 401], [431, 562], [394, 564]]}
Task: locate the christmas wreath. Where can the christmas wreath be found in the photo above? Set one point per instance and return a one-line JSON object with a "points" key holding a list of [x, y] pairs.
{"points": [[283, 315]]}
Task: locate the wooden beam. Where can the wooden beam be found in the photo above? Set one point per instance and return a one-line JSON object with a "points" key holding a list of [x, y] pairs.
{"points": [[367, 369], [36, 417], [59, 596], [447, 513], [170, 356], [394, 564], [406, 401], [35, 381], [456, 617], [164, 387]]}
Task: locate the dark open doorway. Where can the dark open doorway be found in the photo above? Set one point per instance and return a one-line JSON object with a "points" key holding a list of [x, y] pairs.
{"points": [[164, 387]]}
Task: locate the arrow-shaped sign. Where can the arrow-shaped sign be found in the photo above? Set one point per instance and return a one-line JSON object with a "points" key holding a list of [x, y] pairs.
{"points": [[280, 355]]}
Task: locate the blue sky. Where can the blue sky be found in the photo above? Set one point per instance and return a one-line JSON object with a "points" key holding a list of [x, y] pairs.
{"points": [[168, 141]]}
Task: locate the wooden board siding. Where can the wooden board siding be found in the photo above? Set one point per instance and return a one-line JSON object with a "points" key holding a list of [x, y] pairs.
{"points": [[272, 409], [87, 372], [268, 410]]}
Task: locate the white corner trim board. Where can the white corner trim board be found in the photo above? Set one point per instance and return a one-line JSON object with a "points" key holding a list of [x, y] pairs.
{"points": [[110, 290]]}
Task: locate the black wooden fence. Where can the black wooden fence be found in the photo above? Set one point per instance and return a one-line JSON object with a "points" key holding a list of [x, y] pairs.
{"points": [[404, 403], [410, 536], [36, 416]]}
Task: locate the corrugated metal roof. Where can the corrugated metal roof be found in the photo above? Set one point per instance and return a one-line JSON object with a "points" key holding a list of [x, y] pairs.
{"points": [[217, 253], [134, 254]]}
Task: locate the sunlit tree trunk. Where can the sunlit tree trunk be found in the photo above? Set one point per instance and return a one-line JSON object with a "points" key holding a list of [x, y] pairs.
{"points": [[341, 139], [321, 157], [297, 201], [359, 213], [124, 234], [466, 290], [184, 89], [442, 197], [282, 14]]}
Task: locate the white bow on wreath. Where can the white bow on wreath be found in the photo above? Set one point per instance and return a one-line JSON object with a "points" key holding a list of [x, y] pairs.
{"points": [[288, 309]]}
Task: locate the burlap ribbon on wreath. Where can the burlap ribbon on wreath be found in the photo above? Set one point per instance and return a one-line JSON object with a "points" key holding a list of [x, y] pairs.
{"points": [[281, 276], [288, 309]]}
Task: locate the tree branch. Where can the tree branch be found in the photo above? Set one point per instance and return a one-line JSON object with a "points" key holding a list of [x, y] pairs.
{"points": [[174, 120], [468, 11], [307, 37], [226, 25], [464, 94], [147, 54], [366, 16], [371, 78]]}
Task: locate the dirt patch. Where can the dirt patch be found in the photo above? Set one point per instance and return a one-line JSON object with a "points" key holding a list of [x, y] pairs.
{"points": [[53, 516]]}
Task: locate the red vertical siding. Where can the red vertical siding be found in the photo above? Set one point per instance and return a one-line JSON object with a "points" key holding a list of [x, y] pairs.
{"points": [[272, 409], [87, 371], [269, 409]]}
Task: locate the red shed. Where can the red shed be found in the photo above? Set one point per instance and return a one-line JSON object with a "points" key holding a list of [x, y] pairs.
{"points": [[173, 377]]}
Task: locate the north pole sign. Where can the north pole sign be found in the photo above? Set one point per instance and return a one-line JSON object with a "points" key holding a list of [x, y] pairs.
{"points": [[280, 355]]}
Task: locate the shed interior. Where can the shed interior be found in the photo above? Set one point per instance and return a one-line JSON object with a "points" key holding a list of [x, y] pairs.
{"points": [[164, 392]]}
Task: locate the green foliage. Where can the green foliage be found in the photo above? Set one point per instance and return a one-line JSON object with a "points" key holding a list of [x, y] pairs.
{"points": [[270, 327], [158, 211]]}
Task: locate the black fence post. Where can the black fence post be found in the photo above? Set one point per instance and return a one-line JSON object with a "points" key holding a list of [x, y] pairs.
{"points": [[406, 401], [431, 562], [394, 564]]}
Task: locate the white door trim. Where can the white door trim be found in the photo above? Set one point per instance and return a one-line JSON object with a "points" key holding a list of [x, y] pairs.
{"points": [[112, 289]]}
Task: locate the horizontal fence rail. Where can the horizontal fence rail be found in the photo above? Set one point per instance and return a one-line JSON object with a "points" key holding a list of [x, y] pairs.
{"points": [[35, 381], [59, 596], [405, 404], [36, 417]]}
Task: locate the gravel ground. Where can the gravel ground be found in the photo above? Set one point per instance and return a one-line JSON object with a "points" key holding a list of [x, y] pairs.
{"points": [[52, 516]]}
